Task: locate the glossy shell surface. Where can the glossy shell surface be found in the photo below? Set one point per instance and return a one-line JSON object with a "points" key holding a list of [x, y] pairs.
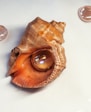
{"points": [[39, 58]]}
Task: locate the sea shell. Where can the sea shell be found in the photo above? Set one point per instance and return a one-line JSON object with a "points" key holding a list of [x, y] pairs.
{"points": [[39, 58]]}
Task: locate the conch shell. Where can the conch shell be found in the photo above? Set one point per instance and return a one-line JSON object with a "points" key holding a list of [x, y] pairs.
{"points": [[39, 58]]}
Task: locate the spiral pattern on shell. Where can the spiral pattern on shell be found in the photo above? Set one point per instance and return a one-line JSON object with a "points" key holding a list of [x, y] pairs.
{"points": [[39, 58]]}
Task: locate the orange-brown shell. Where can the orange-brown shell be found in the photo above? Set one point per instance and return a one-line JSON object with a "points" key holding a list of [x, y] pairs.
{"points": [[43, 39]]}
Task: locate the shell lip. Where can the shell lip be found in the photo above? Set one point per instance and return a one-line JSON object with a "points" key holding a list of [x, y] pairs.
{"points": [[12, 73], [15, 70], [32, 86]]}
